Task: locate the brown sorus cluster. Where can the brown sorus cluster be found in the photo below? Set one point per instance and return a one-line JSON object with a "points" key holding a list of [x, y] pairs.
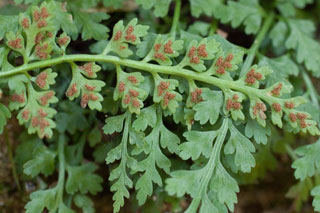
{"points": [[86, 98], [276, 90], [25, 114], [37, 15], [88, 69], [63, 41], [232, 103], [167, 98], [289, 105], [39, 37], [16, 43], [194, 53], [89, 88], [44, 99], [130, 36], [252, 76], [196, 96], [40, 121], [277, 107], [157, 47], [162, 87], [41, 80], [202, 51], [167, 47], [41, 51], [260, 108], [132, 97], [193, 56], [42, 23], [122, 86], [224, 64], [118, 35], [25, 23], [18, 98], [132, 79], [301, 117], [72, 90], [159, 55]]}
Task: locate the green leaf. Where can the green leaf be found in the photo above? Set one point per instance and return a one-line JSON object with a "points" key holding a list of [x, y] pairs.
{"points": [[123, 36], [114, 124], [258, 132], [208, 7], [316, 201], [89, 24], [85, 203], [8, 23], [247, 12], [160, 7], [308, 162], [62, 19], [147, 117], [241, 147], [4, 115], [301, 39], [43, 161], [283, 67], [198, 143], [82, 179], [278, 33], [41, 199], [209, 108]]}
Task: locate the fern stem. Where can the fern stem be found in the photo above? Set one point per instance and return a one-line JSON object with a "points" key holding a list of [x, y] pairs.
{"points": [[60, 185], [256, 44], [152, 68], [176, 17], [13, 167], [211, 165], [310, 88]]}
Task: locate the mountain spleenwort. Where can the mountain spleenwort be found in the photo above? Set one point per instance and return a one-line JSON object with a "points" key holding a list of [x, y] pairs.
{"points": [[214, 97]]}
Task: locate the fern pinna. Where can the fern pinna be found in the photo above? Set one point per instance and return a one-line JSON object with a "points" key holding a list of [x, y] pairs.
{"points": [[202, 85]]}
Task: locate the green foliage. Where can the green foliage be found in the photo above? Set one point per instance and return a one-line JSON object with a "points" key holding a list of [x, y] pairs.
{"points": [[181, 107]]}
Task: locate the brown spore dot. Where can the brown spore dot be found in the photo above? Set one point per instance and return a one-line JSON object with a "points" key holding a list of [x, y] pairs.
{"points": [[157, 47], [122, 86], [162, 87], [44, 13], [277, 107], [87, 68], [25, 114], [160, 56], [134, 93], [39, 37], [72, 90], [84, 100], [41, 80], [42, 23], [35, 121], [195, 60], [132, 79], [276, 90], [289, 105], [192, 51], [93, 97], [89, 88], [18, 98], [25, 23], [135, 103], [44, 99], [127, 99], [167, 47], [36, 15], [292, 117], [16, 43], [202, 52], [42, 113], [118, 35], [63, 41], [301, 116]]}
